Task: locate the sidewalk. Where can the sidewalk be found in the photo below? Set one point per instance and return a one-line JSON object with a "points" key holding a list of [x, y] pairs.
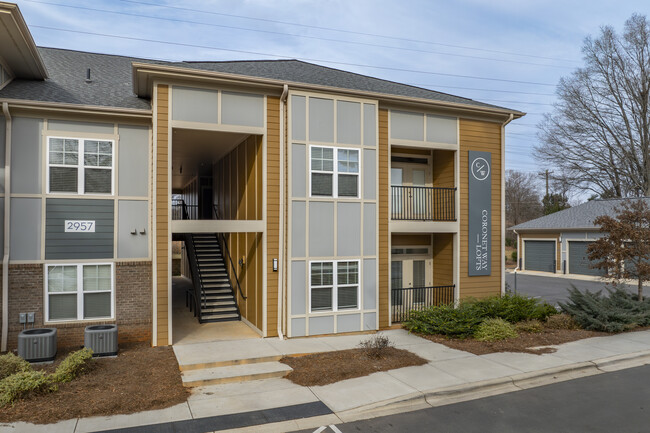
{"points": [[279, 405]]}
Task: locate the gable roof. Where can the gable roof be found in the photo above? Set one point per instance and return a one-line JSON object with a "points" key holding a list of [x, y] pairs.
{"points": [[112, 80], [578, 217]]}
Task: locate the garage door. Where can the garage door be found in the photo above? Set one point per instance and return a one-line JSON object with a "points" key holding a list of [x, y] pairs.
{"points": [[539, 256], [578, 260]]}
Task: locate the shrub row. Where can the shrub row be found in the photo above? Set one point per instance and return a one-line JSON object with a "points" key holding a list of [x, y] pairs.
{"points": [[18, 379], [463, 321]]}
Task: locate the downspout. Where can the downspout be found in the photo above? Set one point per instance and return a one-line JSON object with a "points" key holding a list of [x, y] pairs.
{"points": [[6, 234], [503, 203], [518, 252], [283, 98]]}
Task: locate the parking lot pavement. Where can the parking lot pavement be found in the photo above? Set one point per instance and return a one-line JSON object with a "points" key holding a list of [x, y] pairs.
{"points": [[554, 289]]}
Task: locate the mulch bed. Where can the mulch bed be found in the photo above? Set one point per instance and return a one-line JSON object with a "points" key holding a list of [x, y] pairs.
{"points": [[525, 342], [140, 378], [330, 367]]}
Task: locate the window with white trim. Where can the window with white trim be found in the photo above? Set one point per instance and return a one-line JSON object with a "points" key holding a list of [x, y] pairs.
{"points": [[334, 172], [79, 292], [334, 285], [80, 166]]}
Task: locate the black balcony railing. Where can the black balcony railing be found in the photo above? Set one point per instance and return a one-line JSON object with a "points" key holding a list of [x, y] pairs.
{"points": [[184, 211], [405, 300], [423, 203]]}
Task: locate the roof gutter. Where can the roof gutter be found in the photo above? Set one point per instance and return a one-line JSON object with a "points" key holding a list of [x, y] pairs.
{"points": [[283, 98], [21, 104], [7, 227], [177, 72]]}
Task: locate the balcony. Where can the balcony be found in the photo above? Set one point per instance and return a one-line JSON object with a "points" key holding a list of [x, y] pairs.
{"points": [[423, 203]]}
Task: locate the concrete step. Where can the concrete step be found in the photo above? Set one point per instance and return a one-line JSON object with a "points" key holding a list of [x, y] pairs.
{"points": [[234, 373]]}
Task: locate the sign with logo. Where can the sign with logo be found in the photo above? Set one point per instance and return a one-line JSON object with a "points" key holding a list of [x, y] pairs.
{"points": [[480, 213]]}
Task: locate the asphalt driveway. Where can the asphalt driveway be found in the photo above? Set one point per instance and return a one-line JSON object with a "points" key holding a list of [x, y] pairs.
{"points": [[555, 289]]}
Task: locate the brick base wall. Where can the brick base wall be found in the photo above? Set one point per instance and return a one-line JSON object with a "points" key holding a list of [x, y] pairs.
{"points": [[133, 304]]}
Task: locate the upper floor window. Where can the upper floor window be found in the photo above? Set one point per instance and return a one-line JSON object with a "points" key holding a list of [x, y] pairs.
{"points": [[334, 172], [80, 166]]}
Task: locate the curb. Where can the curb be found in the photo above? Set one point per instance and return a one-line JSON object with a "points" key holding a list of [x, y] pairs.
{"points": [[491, 387]]}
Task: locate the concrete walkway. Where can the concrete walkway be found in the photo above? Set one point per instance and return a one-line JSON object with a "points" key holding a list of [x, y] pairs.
{"points": [[449, 376]]}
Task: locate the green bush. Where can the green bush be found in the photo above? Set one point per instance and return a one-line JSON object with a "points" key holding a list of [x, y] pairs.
{"points": [[463, 321], [561, 321], [73, 365], [22, 383], [532, 326], [495, 329], [514, 256], [10, 364], [618, 311]]}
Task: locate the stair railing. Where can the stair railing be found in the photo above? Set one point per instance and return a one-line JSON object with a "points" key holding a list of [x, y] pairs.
{"points": [[196, 279], [224, 246]]}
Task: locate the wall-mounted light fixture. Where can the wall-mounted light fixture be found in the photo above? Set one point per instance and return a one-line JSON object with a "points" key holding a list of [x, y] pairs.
{"points": [[275, 265]]}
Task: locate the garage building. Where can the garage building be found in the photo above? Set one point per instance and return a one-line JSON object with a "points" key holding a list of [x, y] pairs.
{"points": [[557, 243]]}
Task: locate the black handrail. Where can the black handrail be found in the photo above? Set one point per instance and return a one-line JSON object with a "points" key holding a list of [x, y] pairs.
{"points": [[184, 211], [196, 279], [224, 246], [406, 299], [423, 203]]}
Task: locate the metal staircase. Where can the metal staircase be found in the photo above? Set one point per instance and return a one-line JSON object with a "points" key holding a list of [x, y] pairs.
{"points": [[213, 298]]}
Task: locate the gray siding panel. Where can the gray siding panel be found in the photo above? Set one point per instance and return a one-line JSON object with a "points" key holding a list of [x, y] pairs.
{"points": [[3, 127], [298, 170], [2, 221], [25, 229], [195, 105], [369, 174], [132, 215], [369, 229], [321, 229], [242, 109], [91, 127], [26, 156], [298, 228], [321, 120], [61, 245], [369, 125], [369, 321], [441, 129], [321, 325], [298, 117], [348, 323], [407, 126], [348, 122], [298, 289], [369, 301], [133, 162], [298, 327], [349, 229]]}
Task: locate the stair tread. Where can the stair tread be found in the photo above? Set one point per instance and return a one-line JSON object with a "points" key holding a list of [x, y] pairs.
{"points": [[233, 371]]}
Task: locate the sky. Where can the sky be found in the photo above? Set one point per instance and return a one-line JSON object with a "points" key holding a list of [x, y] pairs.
{"points": [[510, 53]]}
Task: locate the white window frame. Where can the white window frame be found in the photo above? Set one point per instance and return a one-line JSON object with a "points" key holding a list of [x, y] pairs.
{"points": [[81, 166], [335, 172], [335, 287], [80, 293]]}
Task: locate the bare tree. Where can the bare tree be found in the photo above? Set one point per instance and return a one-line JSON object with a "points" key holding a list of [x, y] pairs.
{"points": [[522, 198], [598, 134], [624, 251]]}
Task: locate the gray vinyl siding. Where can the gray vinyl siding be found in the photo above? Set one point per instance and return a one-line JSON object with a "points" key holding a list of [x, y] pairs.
{"points": [[64, 246], [3, 127], [348, 322], [195, 105], [133, 216], [76, 126], [133, 161], [25, 229], [26, 156]]}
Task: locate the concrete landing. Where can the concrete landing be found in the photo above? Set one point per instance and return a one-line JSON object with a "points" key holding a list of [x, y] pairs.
{"points": [[234, 373]]}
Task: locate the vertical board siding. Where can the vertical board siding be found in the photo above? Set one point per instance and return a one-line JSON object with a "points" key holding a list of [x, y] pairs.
{"points": [[384, 256], [60, 245], [272, 211], [162, 215], [486, 137]]}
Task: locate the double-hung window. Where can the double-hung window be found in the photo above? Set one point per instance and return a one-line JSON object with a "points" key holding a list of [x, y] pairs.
{"points": [[334, 286], [334, 172], [80, 166], [79, 292]]}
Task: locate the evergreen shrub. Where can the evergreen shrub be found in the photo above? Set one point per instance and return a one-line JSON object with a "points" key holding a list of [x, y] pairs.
{"points": [[494, 330]]}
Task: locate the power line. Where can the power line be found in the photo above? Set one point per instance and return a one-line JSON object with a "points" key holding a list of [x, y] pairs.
{"points": [[257, 53], [202, 11], [482, 90], [177, 20]]}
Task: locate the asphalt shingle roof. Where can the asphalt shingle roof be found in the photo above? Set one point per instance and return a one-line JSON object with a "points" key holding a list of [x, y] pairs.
{"points": [[112, 85], [578, 217]]}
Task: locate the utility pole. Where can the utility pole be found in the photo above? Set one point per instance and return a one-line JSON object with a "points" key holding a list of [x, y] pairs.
{"points": [[546, 175]]}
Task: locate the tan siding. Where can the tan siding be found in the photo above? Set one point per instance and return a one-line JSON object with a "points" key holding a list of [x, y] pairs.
{"points": [[384, 256], [443, 169], [272, 211], [411, 151], [162, 215], [443, 259], [486, 137], [408, 240]]}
